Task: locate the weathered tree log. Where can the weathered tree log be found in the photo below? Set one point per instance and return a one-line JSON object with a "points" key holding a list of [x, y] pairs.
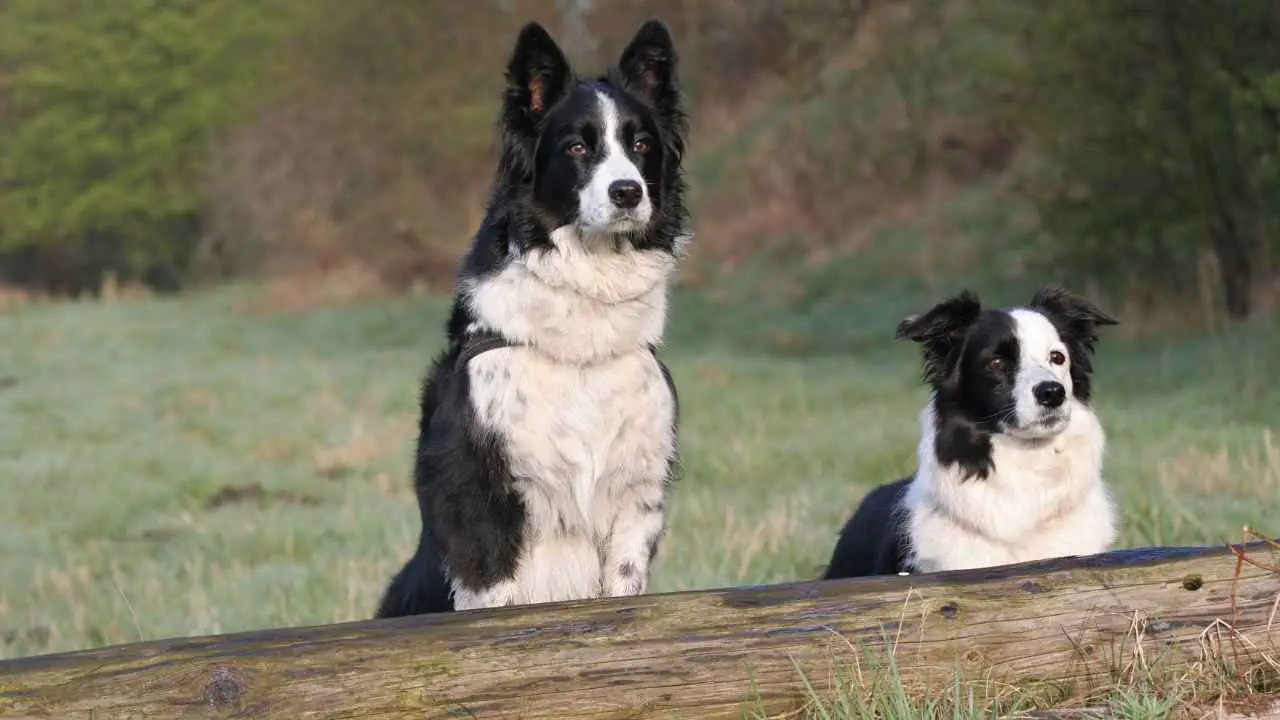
{"points": [[1072, 622]]}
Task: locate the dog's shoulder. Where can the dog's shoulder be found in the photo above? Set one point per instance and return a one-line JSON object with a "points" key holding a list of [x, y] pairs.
{"points": [[874, 540], [879, 504], [446, 424], [437, 383]]}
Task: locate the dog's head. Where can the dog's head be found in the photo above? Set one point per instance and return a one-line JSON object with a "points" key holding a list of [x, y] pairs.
{"points": [[1009, 371], [600, 157]]}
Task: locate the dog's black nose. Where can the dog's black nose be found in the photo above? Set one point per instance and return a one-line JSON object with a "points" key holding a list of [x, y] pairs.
{"points": [[626, 194], [1050, 394]]}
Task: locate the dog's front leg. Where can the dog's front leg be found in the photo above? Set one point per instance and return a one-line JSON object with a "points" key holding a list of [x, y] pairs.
{"points": [[638, 525]]}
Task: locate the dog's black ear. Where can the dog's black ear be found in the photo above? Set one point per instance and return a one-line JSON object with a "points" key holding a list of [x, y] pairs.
{"points": [[648, 66], [1076, 318], [536, 76], [940, 332]]}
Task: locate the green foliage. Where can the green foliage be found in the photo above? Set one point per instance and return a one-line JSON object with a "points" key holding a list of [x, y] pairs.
{"points": [[111, 109], [1152, 128], [1155, 129]]}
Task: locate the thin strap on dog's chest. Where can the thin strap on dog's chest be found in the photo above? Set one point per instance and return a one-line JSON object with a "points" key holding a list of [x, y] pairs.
{"points": [[480, 342]]}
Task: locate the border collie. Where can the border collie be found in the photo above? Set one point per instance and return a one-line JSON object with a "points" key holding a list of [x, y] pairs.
{"points": [[1010, 453], [548, 433]]}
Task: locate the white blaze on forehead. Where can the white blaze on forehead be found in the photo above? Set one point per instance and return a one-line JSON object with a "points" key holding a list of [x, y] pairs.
{"points": [[613, 152], [596, 210], [1037, 339]]}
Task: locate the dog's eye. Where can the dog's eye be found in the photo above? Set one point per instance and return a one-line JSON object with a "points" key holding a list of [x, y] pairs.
{"points": [[576, 150], [996, 363], [640, 146], [1057, 358]]}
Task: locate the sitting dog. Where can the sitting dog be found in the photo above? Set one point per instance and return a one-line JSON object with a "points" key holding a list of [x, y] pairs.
{"points": [[1010, 454], [548, 431]]}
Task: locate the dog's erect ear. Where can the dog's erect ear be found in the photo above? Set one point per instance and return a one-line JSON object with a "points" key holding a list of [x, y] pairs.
{"points": [[536, 76], [940, 332], [1075, 317], [648, 65]]}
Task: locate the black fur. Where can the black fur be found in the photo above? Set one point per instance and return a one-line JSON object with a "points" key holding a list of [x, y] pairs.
{"points": [[472, 518], [958, 341], [871, 542]]}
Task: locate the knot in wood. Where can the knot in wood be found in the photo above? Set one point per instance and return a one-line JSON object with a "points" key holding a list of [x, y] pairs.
{"points": [[1032, 587], [223, 689], [972, 657], [949, 610], [1192, 582]]}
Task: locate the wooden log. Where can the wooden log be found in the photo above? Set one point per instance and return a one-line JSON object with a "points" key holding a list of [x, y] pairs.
{"points": [[703, 654]]}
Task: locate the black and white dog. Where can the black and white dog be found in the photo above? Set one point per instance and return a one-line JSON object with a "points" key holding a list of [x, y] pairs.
{"points": [[548, 432], [1010, 454]]}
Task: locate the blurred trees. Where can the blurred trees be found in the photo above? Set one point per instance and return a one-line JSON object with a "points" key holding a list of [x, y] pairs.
{"points": [[150, 137], [110, 110], [371, 149], [1156, 129]]}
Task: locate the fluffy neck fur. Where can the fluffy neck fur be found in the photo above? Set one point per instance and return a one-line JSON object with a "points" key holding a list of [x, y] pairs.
{"points": [[1044, 498], [580, 301]]}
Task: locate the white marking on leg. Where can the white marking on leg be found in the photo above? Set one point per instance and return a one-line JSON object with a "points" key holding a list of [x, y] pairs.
{"points": [[558, 568], [638, 525], [498, 595]]}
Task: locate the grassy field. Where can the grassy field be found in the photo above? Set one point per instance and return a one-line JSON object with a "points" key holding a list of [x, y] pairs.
{"points": [[180, 467]]}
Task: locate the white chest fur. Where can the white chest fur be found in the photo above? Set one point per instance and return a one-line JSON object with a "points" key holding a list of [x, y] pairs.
{"points": [[588, 447], [577, 303], [1043, 500]]}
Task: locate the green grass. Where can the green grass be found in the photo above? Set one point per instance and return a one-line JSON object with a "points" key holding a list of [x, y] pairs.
{"points": [[180, 467]]}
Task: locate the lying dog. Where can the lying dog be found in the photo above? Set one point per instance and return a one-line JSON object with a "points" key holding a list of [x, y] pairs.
{"points": [[1010, 453]]}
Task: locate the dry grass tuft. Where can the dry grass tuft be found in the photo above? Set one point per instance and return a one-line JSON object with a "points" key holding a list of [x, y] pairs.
{"points": [[364, 445], [1251, 474], [311, 289], [15, 297]]}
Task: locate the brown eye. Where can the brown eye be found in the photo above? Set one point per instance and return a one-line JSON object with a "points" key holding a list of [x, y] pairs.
{"points": [[1057, 358], [640, 146], [576, 150], [996, 363]]}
